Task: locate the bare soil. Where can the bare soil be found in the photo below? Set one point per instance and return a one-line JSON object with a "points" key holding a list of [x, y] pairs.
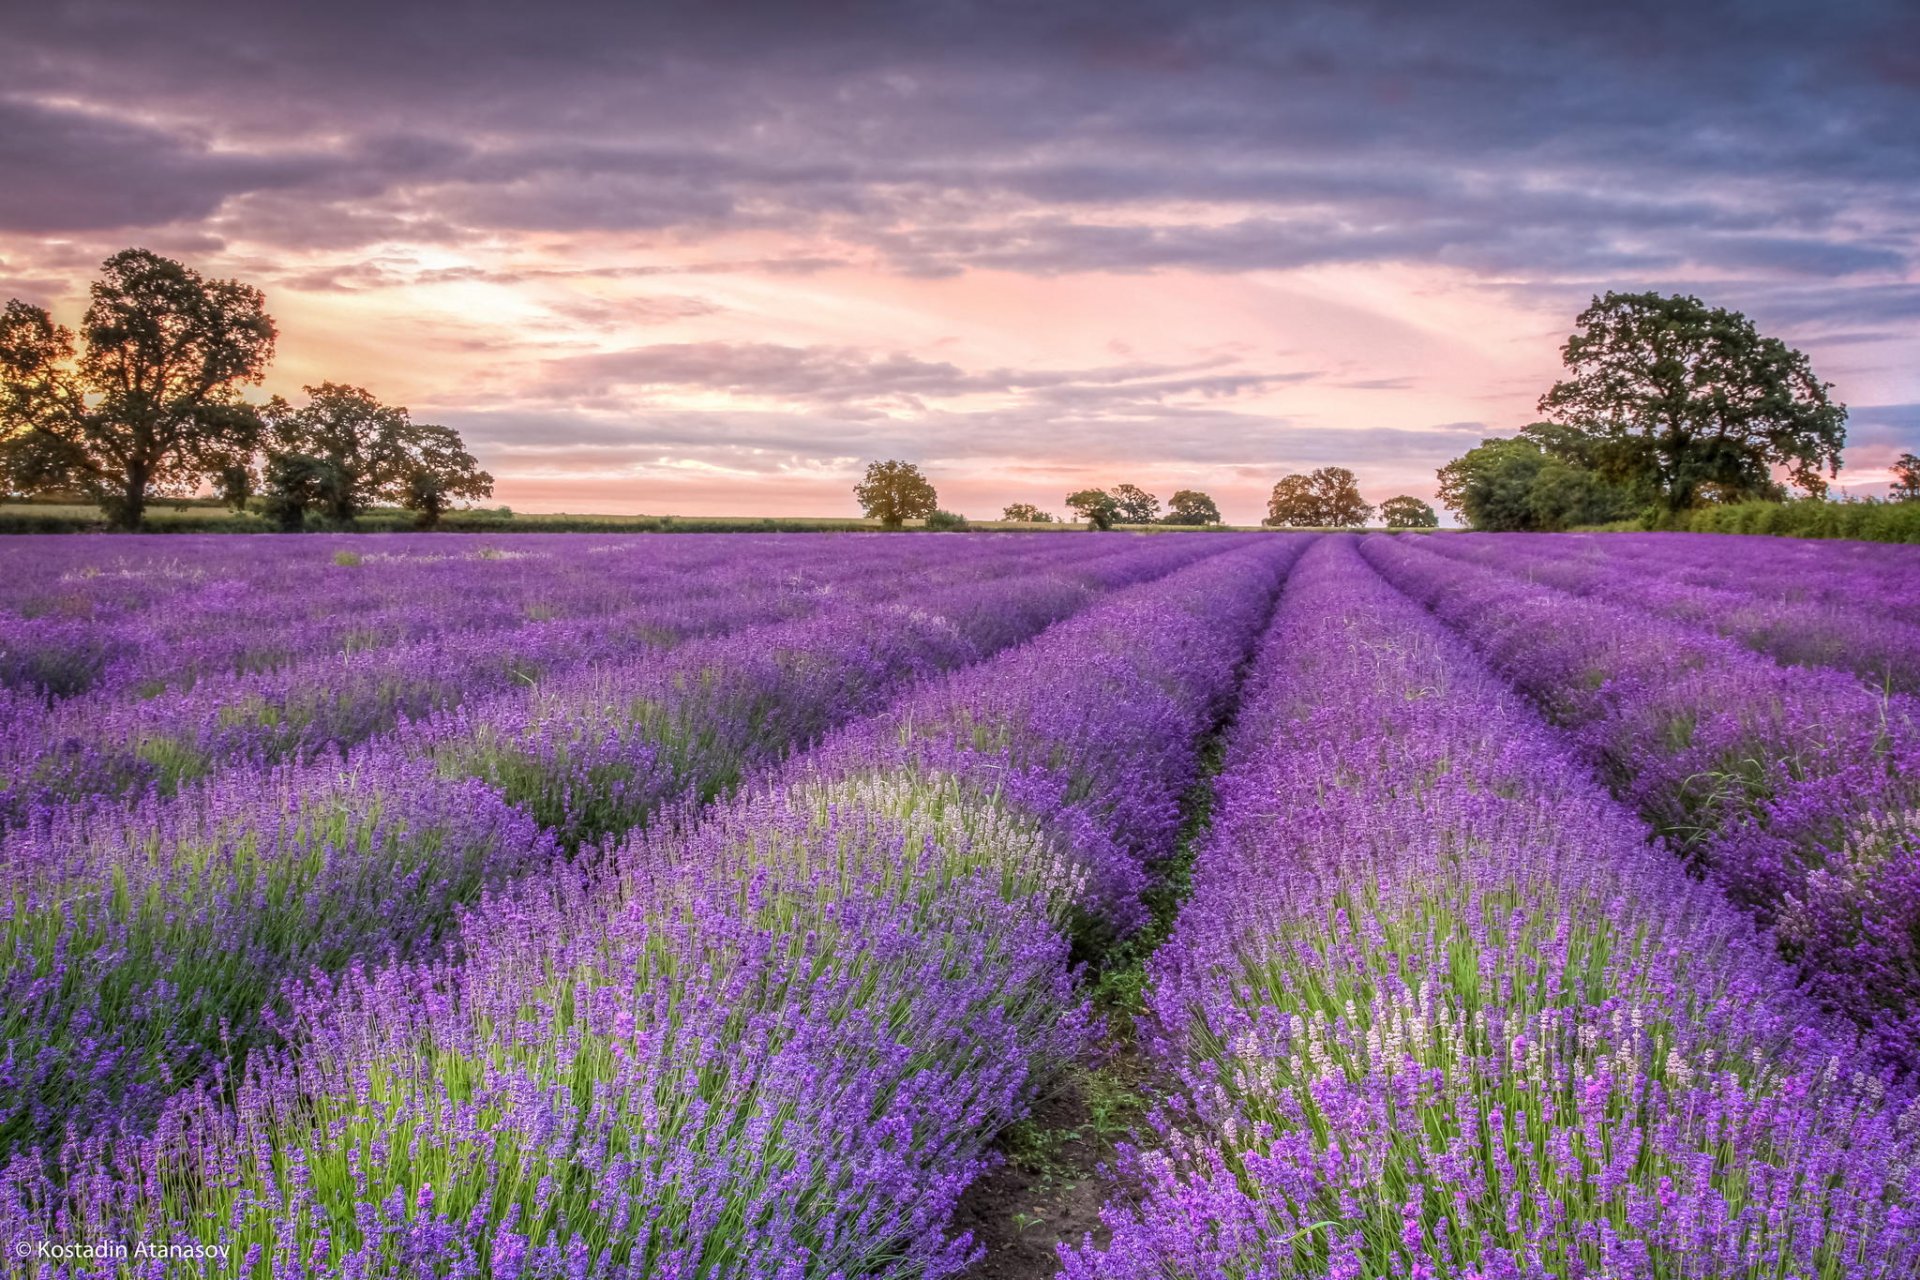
{"points": [[1026, 1208]]}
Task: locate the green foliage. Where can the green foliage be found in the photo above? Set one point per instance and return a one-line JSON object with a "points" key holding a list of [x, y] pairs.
{"points": [[150, 404], [1026, 513], [1692, 401], [343, 451], [1136, 505], [894, 493], [1096, 506], [946, 522], [1522, 483], [1190, 506], [438, 469], [296, 484], [1805, 518], [1329, 498], [1408, 512], [1906, 478]]}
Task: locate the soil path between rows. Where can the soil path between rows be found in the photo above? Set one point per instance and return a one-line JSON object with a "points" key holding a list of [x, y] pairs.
{"points": [[1054, 1176]]}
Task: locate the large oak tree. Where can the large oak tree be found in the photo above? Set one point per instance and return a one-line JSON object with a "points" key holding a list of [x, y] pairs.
{"points": [[148, 401], [1693, 401], [895, 492], [344, 450]]}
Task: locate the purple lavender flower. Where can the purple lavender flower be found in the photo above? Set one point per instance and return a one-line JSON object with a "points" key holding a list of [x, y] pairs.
{"points": [[1440, 1008]]}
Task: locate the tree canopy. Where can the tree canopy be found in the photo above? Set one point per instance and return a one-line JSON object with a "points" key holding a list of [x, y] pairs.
{"points": [[1404, 511], [1534, 481], [1135, 505], [1692, 401], [1096, 506], [343, 451], [1190, 506], [1329, 497], [894, 493], [147, 402], [437, 469], [1027, 513], [359, 444], [1906, 478]]}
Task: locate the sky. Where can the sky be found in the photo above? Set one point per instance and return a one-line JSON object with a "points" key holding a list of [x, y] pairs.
{"points": [[710, 258]]}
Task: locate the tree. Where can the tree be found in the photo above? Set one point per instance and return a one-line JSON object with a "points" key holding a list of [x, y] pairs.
{"points": [[359, 444], [1328, 498], [343, 451], [296, 483], [1682, 396], [1026, 513], [1096, 506], [894, 493], [437, 469], [1408, 512], [1190, 506], [40, 400], [1906, 478], [1519, 483], [1136, 505], [152, 402], [1293, 504], [946, 522]]}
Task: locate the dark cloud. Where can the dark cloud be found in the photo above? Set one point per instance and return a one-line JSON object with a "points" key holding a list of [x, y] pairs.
{"points": [[1629, 140]]}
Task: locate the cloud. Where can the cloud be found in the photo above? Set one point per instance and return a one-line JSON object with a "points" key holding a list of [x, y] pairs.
{"points": [[1223, 136], [787, 190], [847, 379]]}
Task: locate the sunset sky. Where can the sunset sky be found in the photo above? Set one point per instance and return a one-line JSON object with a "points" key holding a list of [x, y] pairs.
{"points": [[711, 257]]}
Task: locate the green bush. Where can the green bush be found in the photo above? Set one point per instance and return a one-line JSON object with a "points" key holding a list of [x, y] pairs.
{"points": [[946, 522], [1806, 518]]}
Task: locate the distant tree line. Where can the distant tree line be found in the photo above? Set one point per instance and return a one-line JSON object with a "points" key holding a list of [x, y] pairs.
{"points": [[145, 403], [1130, 504], [1669, 406], [894, 492]]}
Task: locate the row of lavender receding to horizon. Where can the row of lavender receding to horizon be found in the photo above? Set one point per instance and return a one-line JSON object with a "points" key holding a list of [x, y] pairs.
{"points": [[1804, 604], [148, 943], [775, 1037], [1439, 1007], [1795, 789], [241, 676]]}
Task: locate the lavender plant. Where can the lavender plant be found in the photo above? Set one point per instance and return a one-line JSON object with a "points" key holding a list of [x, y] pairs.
{"points": [[774, 1042], [1795, 789], [1440, 1009], [1801, 613]]}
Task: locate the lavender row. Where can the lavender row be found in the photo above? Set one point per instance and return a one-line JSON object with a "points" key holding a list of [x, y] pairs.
{"points": [[164, 625], [140, 616], [115, 744], [775, 1044], [1876, 578], [1742, 597], [1796, 789], [144, 945], [1439, 1009], [593, 753]]}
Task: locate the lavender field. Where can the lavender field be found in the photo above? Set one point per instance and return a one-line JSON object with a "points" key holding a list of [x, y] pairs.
{"points": [[1455, 907]]}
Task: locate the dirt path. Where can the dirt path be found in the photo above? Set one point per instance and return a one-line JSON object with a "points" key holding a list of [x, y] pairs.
{"points": [[1051, 1186]]}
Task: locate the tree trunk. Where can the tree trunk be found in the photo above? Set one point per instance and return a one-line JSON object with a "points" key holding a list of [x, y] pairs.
{"points": [[130, 512]]}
